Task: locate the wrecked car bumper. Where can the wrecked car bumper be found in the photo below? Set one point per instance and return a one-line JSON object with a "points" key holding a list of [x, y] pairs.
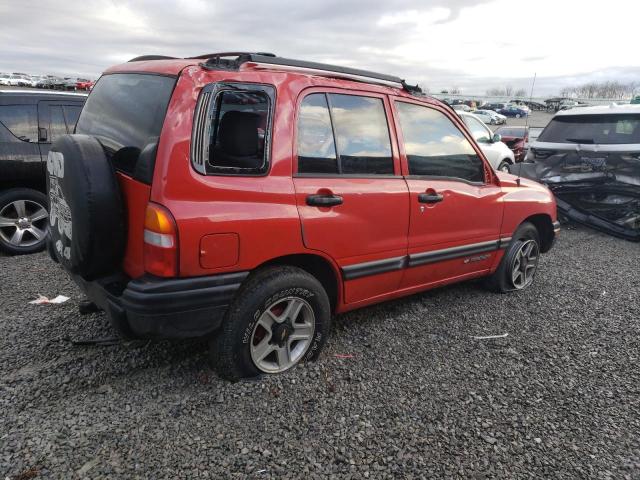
{"points": [[594, 188]]}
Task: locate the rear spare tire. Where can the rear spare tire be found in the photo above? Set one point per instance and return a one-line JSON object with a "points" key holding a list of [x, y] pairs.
{"points": [[86, 210]]}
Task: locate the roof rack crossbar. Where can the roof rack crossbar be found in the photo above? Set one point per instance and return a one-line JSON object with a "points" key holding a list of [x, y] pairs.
{"points": [[333, 70], [320, 67]]}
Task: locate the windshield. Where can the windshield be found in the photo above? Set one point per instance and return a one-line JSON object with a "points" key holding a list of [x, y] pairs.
{"points": [[593, 129], [126, 111]]}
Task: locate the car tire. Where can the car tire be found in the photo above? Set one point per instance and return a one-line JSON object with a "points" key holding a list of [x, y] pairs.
{"points": [[246, 346], [517, 115], [525, 241], [24, 221], [505, 166], [492, 122]]}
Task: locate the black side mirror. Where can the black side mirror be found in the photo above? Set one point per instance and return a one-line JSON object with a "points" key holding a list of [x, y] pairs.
{"points": [[42, 134]]}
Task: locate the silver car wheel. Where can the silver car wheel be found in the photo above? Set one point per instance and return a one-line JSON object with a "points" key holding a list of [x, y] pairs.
{"points": [[23, 223], [525, 264], [282, 335]]}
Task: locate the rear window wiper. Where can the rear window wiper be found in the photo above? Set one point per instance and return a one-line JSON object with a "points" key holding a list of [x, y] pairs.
{"points": [[580, 140]]}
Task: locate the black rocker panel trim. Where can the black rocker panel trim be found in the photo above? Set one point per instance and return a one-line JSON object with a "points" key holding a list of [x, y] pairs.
{"points": [[376, 267]]}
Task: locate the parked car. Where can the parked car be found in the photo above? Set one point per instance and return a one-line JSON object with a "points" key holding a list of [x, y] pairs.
{"points": [[59, 83], [45, 82], [588, 157], [567, 104], [461, 107], [496, 107], [199, 231], [511, 111], [490, 117], [498, 154], [29, 122], [70, 83], [515, 138], [17, 81], [84, 84], [635, 100], [4, 79]]}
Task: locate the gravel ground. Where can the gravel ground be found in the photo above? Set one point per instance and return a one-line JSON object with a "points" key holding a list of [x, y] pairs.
{"points": [[402, 389]]}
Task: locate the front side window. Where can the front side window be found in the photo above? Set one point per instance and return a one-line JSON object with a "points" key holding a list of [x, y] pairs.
{"points": [[435, 146], [343, 134], [21, 121], [231, 132]]}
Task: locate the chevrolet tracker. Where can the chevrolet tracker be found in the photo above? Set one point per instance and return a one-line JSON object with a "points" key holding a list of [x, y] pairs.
{"points": [[247, 198]]}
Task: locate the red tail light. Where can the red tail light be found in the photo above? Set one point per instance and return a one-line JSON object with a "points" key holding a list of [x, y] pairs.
{"points": [[160, 242]]}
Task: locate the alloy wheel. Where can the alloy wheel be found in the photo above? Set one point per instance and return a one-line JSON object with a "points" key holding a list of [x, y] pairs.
{"points": [[23, 223], [525, 264], [282, 335]]}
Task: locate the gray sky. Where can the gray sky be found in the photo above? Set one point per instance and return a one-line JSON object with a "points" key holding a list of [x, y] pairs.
{"points": [[471, 44]]}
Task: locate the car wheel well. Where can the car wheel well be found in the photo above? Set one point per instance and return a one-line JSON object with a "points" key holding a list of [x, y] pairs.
{"points": [[315, 265], [544, 225]]}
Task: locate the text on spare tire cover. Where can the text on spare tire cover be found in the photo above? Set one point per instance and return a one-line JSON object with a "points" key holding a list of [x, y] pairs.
{"points": [[60, 214]]}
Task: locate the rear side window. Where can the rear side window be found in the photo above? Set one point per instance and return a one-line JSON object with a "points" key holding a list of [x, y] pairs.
{"points": [[343, 134], [71, 115], [21, 121], [435, 146], [232, 125], [125, 112], [57, 125], [589, 129]]}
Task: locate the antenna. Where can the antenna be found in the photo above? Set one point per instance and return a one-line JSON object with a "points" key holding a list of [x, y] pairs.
{"points": [[526, 123]]}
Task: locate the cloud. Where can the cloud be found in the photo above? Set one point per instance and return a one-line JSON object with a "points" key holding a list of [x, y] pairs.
{"points": [[473, 44]]}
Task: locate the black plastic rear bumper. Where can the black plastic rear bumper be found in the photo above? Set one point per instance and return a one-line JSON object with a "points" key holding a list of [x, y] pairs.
{"points": [[152, 307]]}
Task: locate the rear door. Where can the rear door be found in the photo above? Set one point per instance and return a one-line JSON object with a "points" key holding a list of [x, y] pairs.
{"points": [[455, 200], [351, 196]]}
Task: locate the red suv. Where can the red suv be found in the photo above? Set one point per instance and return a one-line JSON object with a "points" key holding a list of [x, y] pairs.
{"points": [[248, 197]]}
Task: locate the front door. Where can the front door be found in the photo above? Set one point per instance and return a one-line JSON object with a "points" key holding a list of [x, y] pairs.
{"points": [[351, 197], [455, 200]]}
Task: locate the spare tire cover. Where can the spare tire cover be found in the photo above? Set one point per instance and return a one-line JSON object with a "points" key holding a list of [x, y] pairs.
{"points": [[87, 223]]}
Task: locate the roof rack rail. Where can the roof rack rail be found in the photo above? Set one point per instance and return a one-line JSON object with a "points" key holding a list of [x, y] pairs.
{"points": [[269, 60], [142, 58], [208, 56]]}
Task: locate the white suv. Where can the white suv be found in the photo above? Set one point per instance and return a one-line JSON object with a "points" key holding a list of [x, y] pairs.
{"points": [[499, 155]]}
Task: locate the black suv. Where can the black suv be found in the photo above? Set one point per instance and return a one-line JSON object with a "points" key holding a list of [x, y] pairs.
{"points": [[29, 122]]}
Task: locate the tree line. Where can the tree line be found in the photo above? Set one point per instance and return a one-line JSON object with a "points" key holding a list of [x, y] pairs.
{"points": [[610, 90], [613, 90], [507, 91]]}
